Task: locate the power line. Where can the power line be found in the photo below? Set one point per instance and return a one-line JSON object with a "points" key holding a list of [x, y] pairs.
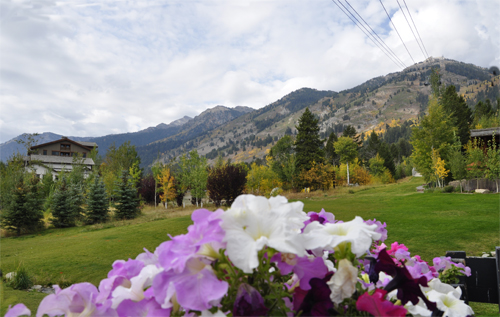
{"points": [[411, 29], [395, 62], [416, 29], [397, 31], [386, 46]]}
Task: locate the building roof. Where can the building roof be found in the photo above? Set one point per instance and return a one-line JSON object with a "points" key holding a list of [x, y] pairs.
{"points": [[484, 132], [88, 145], [52, 159]]}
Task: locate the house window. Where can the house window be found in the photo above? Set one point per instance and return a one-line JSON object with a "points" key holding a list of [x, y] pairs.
{"points": [[65, 146], [44, 152], [84, 155], [65, 154], [55, 153]]}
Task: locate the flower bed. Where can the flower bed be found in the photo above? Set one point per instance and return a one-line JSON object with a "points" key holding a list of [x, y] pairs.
{"points": [[268, 257]]}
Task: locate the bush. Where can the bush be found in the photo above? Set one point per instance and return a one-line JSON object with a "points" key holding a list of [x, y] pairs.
{"points": [[448, 189], [21, 279]]}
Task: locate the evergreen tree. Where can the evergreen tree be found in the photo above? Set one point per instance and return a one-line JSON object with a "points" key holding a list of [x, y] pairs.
{"points": [[385, 153], [351, 132], [24, 213], [461, 114], [331, 156], [370, 146], [62, 211], [308, 145], [126, 202], [97, 202]]}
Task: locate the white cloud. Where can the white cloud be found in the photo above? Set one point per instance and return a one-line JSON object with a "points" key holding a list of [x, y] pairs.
{"points": [[93, 68]]}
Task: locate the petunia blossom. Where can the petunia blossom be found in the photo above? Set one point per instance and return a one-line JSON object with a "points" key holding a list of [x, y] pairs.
{"points": [[18, 310], [377, 305], [343, 282], [195, 288], [76, 300], [204, 239], [253, 223], [330, 235], [305, 267], [249, 302], [138, 284]]}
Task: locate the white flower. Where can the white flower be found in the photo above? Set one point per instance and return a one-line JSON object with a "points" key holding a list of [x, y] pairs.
{"points": [[447, 299], [343, 282], [255, 222], [137, 286], [330, 235]]}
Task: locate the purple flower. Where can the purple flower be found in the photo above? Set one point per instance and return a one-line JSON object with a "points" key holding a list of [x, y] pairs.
{"points": [[146, 308], [304, 267], [408, 287], [381, 228], [78, 299], [321, 217], [316, 301], [120, 275], [18, 310], [443, 263], [249, 302], [204, 239], [195, 288]]}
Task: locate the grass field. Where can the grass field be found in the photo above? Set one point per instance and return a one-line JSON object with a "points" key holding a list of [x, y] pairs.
{"points": [[429, 224]]}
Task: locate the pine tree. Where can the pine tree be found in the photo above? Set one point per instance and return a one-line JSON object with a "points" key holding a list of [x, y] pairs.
{"points": [[97, 202], [62, 212], [24, 213], [308, 145], [331, 156], [461, 114], [126, 202]]}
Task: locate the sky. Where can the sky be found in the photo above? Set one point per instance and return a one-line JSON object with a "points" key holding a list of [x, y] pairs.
{"points": [[85, 68]]}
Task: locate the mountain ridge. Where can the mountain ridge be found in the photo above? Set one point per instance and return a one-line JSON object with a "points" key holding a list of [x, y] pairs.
{"points": [[244, 134]]}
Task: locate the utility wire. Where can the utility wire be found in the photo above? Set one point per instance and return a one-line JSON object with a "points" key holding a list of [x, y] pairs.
{"points": [[411, 29], [416, 28], [385, 45], [397, 31], [368, 35]]}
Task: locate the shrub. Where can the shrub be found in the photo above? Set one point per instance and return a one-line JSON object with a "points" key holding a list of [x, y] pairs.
{"points": [[21, 279], [448, 189]]}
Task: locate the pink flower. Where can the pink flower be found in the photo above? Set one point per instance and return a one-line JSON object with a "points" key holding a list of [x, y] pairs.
{"points": [[376, 305]]}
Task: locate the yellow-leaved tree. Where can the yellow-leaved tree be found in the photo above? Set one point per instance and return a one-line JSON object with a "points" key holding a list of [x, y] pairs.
{"points": [[166, 183], [438, 166], [262, 180]]}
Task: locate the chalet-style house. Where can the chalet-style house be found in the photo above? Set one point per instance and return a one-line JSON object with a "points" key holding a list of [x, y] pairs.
{"points": [[58, 155]]}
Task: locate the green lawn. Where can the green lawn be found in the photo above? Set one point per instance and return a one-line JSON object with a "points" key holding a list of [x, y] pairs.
{"points": [[429, 224]]}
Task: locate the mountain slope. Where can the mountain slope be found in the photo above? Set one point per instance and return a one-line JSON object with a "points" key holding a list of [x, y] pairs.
{"points": [[385, 100]]}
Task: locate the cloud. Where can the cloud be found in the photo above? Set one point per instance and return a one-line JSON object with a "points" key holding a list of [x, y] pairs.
{"points": [[93, 68]]}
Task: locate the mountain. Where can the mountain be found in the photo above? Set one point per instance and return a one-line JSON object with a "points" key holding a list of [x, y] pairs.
{"points": [[199, 125], [142, 137], [379, 102], [245, 134]]}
